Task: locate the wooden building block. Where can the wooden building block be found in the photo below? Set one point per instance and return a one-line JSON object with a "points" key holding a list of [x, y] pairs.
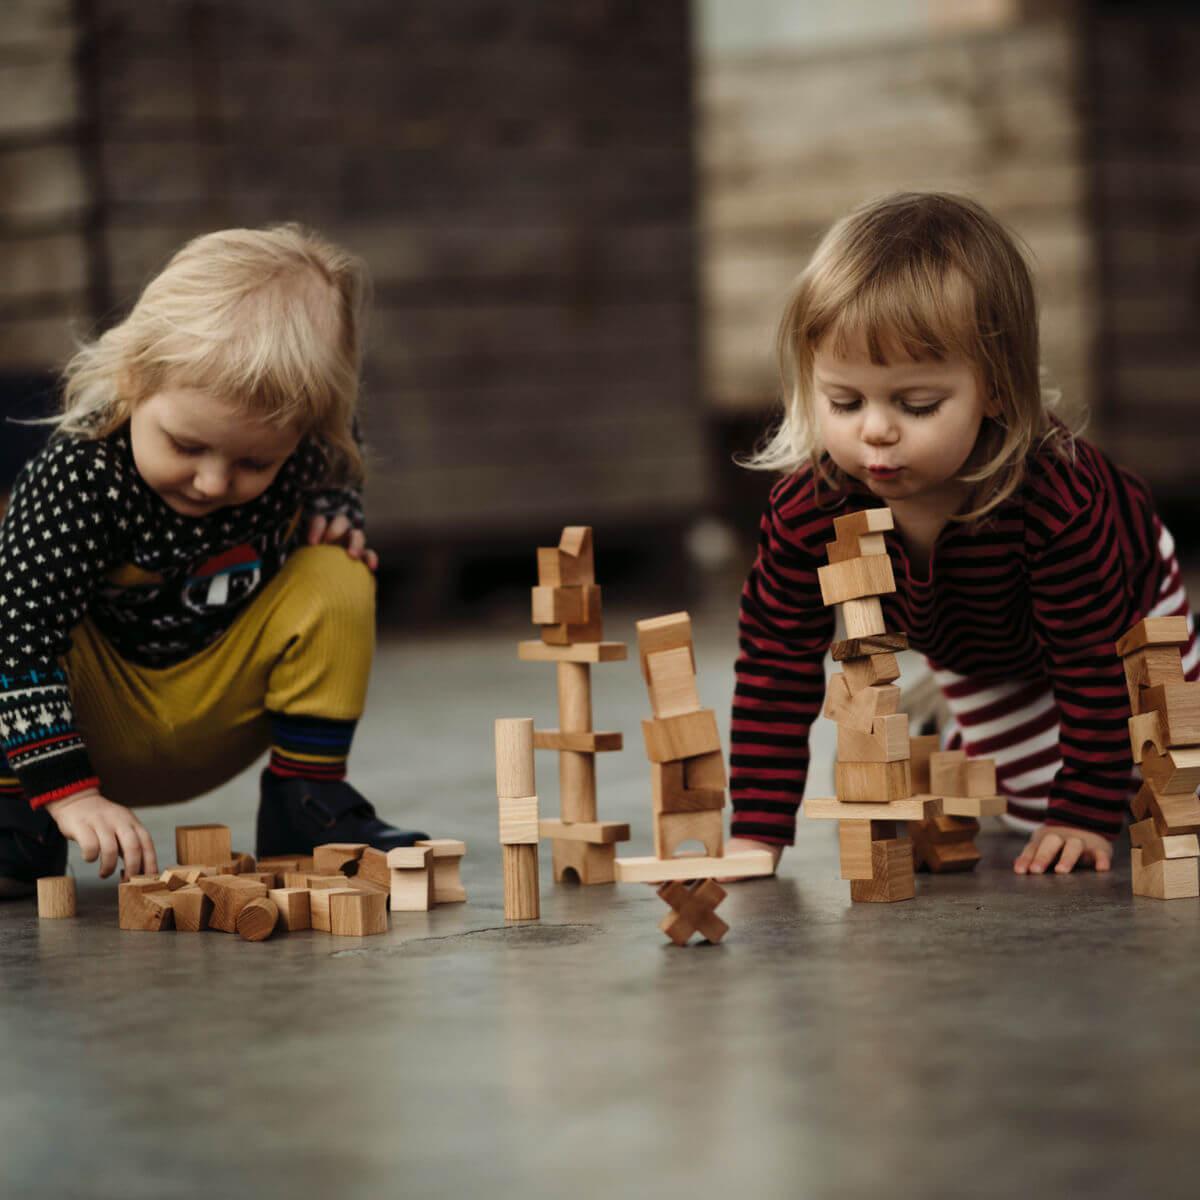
{"points": [[861, 711], [880, 643], [872, 782], [863, 618], [1155, 666], [583, 743], [705, 771], [657, 634], [144, 911], [891, 874], [181, 877], [56, 897], [514, 757], [854, 849], [1176, 845], [826, 808], [942, 844], [596, 833], [357, 914], [693, 910], [1141, 832], [948, 773], [671, 794], [867, 672], [920, 749], [522, 901], [243, 863], [412, 888], [1154, 631], [1168, 879], [448, 854], [373, 870], [229, 895], [319, 906], [588, 862], [192, 909], [1177, 706], [698, 866], [518, 820], [973, 807], [685, 736], [203, 844], [887, 741], [672, 830], [267, 878], [295, 910], [672, 683], [558, 606], [257, 920], [332, 857], [1145, 730], [579, 652], [859, 533], [589, 628], [846, 551], [856, 578], [322, 883], [1179, 813], [981, 777], [1175, 771], [280, 864], [577, 564]]}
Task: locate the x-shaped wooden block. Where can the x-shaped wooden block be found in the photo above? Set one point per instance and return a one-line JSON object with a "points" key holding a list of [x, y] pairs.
{"points": [[694, 911]]}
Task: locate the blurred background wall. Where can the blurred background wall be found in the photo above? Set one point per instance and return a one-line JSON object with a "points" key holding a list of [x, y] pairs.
{"points": [[582, 218]]}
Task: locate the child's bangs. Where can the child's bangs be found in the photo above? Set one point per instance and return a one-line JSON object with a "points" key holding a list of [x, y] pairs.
{"points": [[916, 316]]}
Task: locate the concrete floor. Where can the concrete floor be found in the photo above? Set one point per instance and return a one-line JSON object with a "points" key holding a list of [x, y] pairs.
{"points": [[997, 1036]]}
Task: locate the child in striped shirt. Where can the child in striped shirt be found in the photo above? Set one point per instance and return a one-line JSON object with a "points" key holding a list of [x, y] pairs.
{"points": [[185, 581], [909, 349]]}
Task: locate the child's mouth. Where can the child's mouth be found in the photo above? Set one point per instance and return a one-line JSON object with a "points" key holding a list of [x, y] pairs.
{"points": [[884, 472]]}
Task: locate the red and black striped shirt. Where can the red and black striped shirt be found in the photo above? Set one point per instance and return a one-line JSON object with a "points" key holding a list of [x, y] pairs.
{"points": [[1064, 567]]}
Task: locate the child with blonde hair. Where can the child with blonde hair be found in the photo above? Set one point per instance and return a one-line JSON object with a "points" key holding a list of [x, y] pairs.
{"points": [[909, 350], [184, 575]]}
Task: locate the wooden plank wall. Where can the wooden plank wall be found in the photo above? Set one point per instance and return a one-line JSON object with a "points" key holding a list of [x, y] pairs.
{"points": [[1144, 99], [790, 141], [518, 175]]}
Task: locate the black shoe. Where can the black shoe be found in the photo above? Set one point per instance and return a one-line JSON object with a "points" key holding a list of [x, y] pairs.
{"points": [[294, 815], [30, 847]]}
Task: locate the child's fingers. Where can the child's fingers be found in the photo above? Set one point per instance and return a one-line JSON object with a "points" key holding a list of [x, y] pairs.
{"points": [[372, 560], [131, 850], [1103, 859], [1047, 850], [316, 530], [149, 858], [1070, 856], [338, 528], [1022, 861], [357, 543], [108, 851], [89, 844]]}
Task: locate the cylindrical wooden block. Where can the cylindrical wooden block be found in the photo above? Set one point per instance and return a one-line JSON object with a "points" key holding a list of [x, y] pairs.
{"points": [[256, 922], [522, 901], [514, 757], [56, 896], [576, 769]]}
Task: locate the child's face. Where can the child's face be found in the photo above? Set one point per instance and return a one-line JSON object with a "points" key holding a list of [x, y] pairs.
{"points": [[200, 453], [904, 429]]}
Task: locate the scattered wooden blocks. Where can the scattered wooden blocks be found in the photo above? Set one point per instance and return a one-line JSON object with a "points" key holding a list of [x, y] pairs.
{"points": [[56, 897]]}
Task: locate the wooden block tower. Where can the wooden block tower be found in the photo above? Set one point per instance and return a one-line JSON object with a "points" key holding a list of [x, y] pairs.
{"points": [[687, 771], [1164, 732], [567, 606], [965, 790]]}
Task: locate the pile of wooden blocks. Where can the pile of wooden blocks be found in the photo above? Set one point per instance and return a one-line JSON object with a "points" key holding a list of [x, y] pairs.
{"points": [[874, 774], [566, 605], [688, 783], [341, 889], [1164, 732]]}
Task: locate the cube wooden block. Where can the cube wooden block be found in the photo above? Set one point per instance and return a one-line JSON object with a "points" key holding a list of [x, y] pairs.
{"points": [[257, 919], [1175, 845], [295, 911], [891, 874], [888, 741], [192, 909], [357, 914], [203, 844], [671, 793], [872, 782], [1178, 709], [558, 606], [679, 737], [673, 682], [448, 854], [56, 897], [672, 830], [412, 879], [1175, 771], [920, 750], [518, 820], [856, 578], [332, 857], [319, 906], [980, 777], [867, 672], [948, 773], [1168, 879], [670, 632], [589, 625], [1152, 667]]}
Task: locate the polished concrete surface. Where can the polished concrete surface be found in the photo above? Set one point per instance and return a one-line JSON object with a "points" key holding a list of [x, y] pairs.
{"points": [[995, 1037]]}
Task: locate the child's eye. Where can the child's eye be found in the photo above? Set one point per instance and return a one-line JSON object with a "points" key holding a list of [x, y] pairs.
{"points": [[843, 404], [256, 466], [922, 410], [182, 448]]}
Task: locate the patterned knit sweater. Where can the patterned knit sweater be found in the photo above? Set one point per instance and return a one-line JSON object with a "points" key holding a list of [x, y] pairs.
{"points": [[1069, 563], [84, 535]]}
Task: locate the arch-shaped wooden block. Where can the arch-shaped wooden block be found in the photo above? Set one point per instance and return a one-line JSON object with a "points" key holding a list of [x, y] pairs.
{"points": [[671, 830]]}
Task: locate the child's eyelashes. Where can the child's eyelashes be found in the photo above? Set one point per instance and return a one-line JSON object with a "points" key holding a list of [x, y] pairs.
{"points": [[912, 409], [190, 451]]}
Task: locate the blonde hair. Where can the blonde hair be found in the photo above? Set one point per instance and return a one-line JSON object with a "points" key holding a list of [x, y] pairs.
{"points": [[927, 275], [267, 319]]}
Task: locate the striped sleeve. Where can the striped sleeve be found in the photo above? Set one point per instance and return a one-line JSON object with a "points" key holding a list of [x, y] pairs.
{"points": [[784, 631], [1082, 602]]}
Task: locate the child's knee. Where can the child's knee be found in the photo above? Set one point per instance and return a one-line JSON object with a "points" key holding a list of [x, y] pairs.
{"points": [[341, 588]]}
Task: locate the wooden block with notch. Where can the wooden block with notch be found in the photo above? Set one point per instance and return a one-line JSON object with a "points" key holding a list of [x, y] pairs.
{"points": [[670, 791], [685, 736], [295, 911], [448, 854], [872, 782], [330, 858], [888, 741], [145, 907], [1177, 845], [867, 672], [357, 914], [1167, 879], [589, 862], [1177, 706], [891, 874], [859, 712], [1154, 631], [672, 683], [319, 906], [1154, 666], [412, 884], [1175, 771], [1146, 731], [856, 579], [202, 845], [673, 829]]}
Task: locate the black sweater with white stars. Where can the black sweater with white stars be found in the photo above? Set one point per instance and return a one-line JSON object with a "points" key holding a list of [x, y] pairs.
{"points": [[85, 536]]}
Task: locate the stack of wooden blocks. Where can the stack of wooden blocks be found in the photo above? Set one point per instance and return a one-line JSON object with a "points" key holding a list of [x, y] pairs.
{"points": [[567, 607], [1164, 732], [688, 783], [342, 889], [963, 790], [516, 791]]}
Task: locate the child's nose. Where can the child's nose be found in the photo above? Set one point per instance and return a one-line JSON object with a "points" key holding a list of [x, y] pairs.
{"points": [[211, 481], [877, 424]]}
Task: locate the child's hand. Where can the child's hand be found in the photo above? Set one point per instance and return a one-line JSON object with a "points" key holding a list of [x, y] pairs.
{"points": [[736, 845], [1069, 846], [104, 830], [339, 532]]}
